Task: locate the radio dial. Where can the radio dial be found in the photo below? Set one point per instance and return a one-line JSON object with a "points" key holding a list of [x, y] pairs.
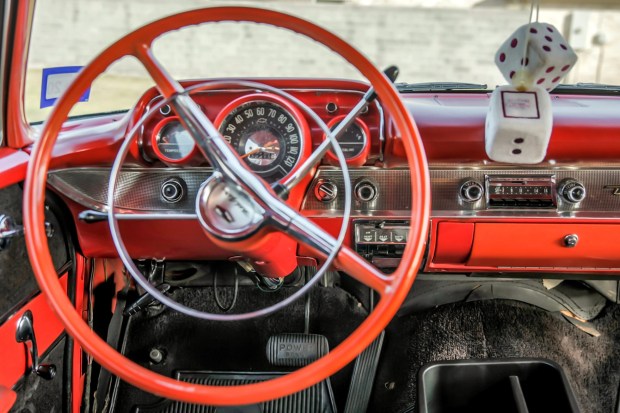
{"points": [[572, 191], [471, 191]]}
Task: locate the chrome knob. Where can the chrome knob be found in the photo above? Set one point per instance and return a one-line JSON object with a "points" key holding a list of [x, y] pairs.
{"points": [[365, 191], [570, 241], [572, 191], [471, 191], [331, 107], [173, 190], [325, 190]]}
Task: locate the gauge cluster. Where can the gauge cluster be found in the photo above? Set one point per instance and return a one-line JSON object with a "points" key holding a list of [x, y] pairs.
{"points": [[270, 133], [267, 132]]}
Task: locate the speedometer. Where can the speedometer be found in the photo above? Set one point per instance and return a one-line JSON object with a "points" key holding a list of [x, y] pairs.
{"points": [[265, 132]]}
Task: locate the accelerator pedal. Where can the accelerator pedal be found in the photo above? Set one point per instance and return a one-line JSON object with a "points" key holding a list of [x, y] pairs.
{"points": [[314, 399], [364, 377], [296, 349]]}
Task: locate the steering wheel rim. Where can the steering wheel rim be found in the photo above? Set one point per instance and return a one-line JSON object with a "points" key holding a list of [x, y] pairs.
{"points": [[393, 294]]}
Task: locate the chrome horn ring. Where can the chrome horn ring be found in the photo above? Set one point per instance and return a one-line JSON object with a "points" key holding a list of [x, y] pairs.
{"points": [[139, 277]]}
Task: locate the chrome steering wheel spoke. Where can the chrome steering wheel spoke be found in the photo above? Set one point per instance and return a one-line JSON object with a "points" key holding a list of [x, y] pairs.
{"points": [[234, 188], [346, 260], [394, 288], [284, 186], [234, 175], [209, 140]]}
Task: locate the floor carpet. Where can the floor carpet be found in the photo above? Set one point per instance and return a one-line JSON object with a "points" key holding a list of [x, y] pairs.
{"points": [[499, 329], [475, 330], [191, 344]]}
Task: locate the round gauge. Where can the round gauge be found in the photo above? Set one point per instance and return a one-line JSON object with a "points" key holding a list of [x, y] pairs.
{"points": [[265, 132], [353, 141], [171, 142]]}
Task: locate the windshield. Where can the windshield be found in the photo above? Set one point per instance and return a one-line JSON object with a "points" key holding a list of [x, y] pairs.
{"points": [[451, 41]]}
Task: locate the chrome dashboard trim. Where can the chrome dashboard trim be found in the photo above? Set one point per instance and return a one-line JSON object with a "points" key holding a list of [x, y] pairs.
{"points": [[393, 187], [138, 189], [445, 182]]}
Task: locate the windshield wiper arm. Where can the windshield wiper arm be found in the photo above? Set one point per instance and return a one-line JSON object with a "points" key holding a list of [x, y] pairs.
{"points": [[438, 86], [586, 88]]}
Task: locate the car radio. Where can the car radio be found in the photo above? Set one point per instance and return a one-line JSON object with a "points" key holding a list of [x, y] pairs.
{"points": [[520, 191], [381, 242]]}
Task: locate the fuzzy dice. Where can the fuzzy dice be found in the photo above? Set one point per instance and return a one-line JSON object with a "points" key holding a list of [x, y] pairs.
{"points": [[548, 59], [518, 125]]}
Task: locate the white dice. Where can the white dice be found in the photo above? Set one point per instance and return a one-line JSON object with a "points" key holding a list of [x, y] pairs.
{"points": [[518, 125], [548, 59]]}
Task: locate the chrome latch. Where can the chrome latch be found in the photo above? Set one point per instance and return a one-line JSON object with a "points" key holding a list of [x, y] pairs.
{"points": [[571, 240], [9, 230], [24, 334]]}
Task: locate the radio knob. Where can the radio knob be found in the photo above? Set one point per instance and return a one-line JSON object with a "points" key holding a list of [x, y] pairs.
{"points": [[471, 191], [572, 191], [325, 190]]}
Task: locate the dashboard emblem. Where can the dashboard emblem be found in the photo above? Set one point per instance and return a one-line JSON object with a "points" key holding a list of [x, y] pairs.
{"points": [[615, 189]]}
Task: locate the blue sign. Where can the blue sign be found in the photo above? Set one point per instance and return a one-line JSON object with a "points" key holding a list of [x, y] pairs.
{"points": [[55, 81]]}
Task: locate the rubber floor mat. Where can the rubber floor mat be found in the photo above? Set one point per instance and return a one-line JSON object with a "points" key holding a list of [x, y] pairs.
{"points": [[315, 399]]}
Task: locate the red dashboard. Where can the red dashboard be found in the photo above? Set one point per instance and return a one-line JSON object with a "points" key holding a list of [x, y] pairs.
{"points": [[235, 112], [483, 219]]}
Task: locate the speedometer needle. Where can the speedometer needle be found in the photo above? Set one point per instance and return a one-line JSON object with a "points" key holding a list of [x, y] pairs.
{"points": [[268, 145]]}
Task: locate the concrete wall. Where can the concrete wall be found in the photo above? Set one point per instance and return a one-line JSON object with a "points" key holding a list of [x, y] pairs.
{"points": [[427, 44]]}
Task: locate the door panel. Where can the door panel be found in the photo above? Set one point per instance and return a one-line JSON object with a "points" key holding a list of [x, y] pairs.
{"points": [[47, 329], [20, 293], [36, 395], [16, 278]]}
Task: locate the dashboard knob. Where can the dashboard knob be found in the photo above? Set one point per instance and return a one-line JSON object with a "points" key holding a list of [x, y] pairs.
{"points": [[572, 191], [471, 191], [173, 190], [365, 191], [571, 240], [325, 190], [331, 108]]}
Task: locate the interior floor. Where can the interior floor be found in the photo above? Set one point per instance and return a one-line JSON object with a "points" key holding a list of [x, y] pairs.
{"points": [[499, 329], [198, 345], [474, 330]]}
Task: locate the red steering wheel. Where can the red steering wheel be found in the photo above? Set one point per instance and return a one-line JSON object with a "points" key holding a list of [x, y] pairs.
{"points": [[392, 289]]}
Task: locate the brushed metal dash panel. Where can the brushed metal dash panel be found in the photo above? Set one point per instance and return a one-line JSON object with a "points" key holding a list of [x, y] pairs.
{"points": [[394, 191], [138, 189], [445, 185]]}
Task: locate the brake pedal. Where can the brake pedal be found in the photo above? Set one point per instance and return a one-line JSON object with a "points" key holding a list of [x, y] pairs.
{"points": [[296, 349]]}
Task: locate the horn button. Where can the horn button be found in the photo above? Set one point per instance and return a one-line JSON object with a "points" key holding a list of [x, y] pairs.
{"points": [[227, 211]]}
